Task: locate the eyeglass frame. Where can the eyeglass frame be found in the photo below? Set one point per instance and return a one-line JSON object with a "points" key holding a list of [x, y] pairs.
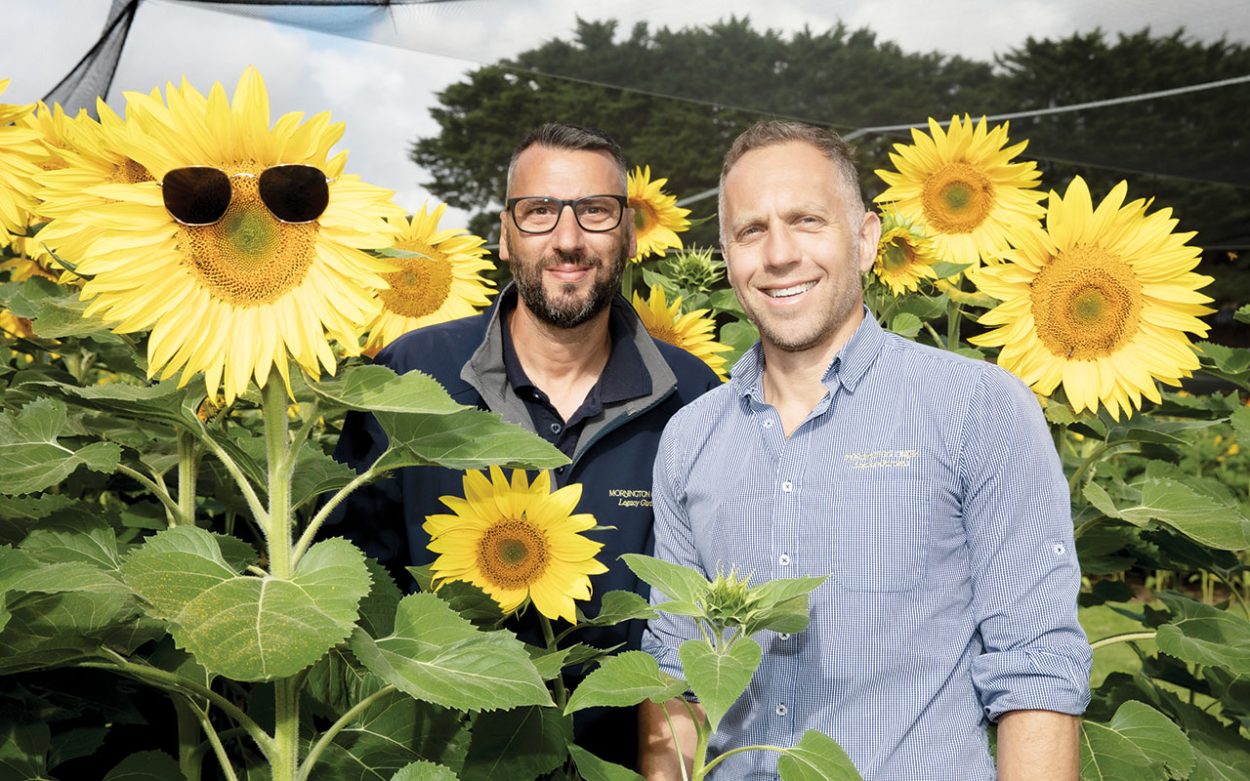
{"points": [[511, 203], [247, 175]]}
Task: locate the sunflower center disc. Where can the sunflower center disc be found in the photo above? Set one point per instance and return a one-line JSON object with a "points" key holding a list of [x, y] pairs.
{"points": [[249, 257], [512, 554], [957, 198], [898, 255], [1087, 303], [421, 286], [129, 172]]}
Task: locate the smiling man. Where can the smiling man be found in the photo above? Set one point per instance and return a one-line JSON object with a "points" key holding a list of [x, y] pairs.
{"points": [[561, 354], [924, 485]]}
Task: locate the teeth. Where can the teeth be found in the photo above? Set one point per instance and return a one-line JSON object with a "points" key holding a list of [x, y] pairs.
{"points": [[793, 290]]}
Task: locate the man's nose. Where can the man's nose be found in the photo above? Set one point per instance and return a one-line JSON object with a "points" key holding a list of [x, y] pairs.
{"points": [[780, 248], [568, 234]]}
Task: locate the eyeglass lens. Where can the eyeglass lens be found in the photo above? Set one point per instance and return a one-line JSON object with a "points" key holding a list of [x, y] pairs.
{"points": [[593, 213], [200, 195]]}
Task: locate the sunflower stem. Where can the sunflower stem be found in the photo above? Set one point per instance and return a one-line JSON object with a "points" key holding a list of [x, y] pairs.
{"points": [[188, 465], [310, 533], [953, 315], [171, 507], [627, 281], [190, 759], [562, 697]]}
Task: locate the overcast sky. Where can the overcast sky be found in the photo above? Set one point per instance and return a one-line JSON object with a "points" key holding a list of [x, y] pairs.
{"points": [[380, 70]]}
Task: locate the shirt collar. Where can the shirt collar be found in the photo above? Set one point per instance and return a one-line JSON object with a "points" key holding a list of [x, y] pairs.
{"points": [[624, 376], [847, 368]]}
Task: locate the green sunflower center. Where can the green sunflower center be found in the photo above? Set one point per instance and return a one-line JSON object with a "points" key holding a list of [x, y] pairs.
{"points": [[898, 256], [645, 216], [1087, 303], [957, 198], [512, 554], [249, 258], [421, 286]]}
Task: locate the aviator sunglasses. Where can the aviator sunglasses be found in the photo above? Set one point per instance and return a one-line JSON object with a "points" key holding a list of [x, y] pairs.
{"points": [[199, 195]]}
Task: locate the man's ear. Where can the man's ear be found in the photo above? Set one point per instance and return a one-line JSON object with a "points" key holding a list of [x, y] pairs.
{"points": [[869, 238], [503, 235]]}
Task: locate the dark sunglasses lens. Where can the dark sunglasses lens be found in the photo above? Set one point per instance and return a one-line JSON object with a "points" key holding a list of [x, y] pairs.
{"points": [[294, 193], [196, 196]]}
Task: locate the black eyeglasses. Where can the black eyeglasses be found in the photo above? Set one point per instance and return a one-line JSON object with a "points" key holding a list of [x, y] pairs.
{"points": [[199, 195], [594, 213]]}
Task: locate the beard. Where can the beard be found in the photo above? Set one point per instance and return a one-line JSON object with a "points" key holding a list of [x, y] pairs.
{"points": [[566, 309]]}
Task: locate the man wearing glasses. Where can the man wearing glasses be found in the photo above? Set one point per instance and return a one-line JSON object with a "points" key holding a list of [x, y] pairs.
{"points": [[560, 353]]}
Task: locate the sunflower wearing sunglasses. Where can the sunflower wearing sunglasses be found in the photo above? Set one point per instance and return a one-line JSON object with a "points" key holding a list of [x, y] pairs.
{"points": [[245, 247]]}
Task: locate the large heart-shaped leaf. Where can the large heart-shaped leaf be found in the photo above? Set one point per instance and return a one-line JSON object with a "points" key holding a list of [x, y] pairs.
{"points": [[522, 743], [31, 458], [674, 581], [592, 768], [375, 388], [1204, 518], [437, 656], [1138, 744], [469, 439], [623, 680], [719, 679], [816, 757], [1205, 635], [245, 627], [424, 771]]}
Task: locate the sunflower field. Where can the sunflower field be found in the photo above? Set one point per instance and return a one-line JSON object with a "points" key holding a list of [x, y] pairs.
{"points": [[181, 336]]}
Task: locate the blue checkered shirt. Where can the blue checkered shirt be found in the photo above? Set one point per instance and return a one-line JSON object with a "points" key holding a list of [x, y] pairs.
{"points": [[926, 486]]}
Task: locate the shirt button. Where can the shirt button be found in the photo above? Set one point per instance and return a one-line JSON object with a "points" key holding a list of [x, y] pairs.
{"points": [[555, 428], [784, 559], [781, 709], [768, 423], [787, 486], [783, 636]]}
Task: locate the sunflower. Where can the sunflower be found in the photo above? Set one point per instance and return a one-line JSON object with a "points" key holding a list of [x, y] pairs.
{"points": [[13, 327], [904, 255], [234, 298], [961, 189], [1102, 301], [692, 332], [657, 217], [445, 282], [19, 151], [516, 541]]}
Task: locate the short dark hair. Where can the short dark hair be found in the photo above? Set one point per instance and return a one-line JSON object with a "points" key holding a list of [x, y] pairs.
{"points": [[770, 132], [574, 138]]}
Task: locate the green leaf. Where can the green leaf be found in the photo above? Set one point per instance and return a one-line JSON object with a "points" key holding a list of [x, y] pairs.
{"points": [[726, 301], [75, 743], [719, 679], [471, 439], [623, 680], [1138, 744], [244, 627], [94, 542], [56, 310], [1205, 635], [618, 606], [1204, 518], [471, 602], [1226, 360], [375, 388], [437, 656], [424, 771], [816, 757], [146, 766], [1216, 760], [377, 610], [592, 768], [163, 403], [945, 269], [31, 459], [672, 580], [1241, 424], [392, 733], [906, 324], [517, 744], [316, 473], [548, 663], [1242, 315], [741, 335]]}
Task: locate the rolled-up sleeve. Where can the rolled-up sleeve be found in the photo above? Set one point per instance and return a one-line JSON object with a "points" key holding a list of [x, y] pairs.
{"points": [[1017, 513]]}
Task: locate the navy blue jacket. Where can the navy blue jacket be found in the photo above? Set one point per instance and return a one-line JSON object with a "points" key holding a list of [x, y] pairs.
{"points": [[612, 461]]}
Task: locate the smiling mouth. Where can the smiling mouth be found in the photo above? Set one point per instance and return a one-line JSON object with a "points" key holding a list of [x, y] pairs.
{"points": [[791, 291]]}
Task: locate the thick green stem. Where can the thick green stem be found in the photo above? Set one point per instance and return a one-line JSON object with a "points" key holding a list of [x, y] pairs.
{"points": [[310, 533], [1127, 637], [240, 479], [562, 696], [953, 316], [278, 464], [672, 731], [189, 757], [188, 466], [285, 759], [328, 736], [739, 750], [214, 740], [703, 733], [627, 281]]}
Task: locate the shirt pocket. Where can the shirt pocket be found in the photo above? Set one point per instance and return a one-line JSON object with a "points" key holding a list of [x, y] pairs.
{"points": [[881, 534]]}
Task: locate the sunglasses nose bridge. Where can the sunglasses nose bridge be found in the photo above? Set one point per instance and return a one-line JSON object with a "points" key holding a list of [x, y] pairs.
{"points": [[198, 196]]}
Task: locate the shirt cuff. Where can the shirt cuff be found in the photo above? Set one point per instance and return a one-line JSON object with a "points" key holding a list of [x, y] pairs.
{"points": [[1033, 679]]}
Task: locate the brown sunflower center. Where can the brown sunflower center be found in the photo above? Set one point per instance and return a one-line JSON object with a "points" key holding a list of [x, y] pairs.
{"points": [[249, 257], [512, 554], [665, 333], [421, 286], [129, 172], [898, 255], [645, 216], [1086, 302], [957, 198]]}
